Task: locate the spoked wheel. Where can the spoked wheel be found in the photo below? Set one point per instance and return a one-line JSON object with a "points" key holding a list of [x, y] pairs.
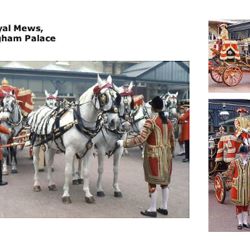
{"points": [[216, 74], [232, 76], [220, 188]]}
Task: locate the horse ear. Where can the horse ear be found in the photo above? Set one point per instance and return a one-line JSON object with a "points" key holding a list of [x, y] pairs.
{"points": [[46, 93], [55, 94], [176, 94], [4, 92], [116, 88], [109, 79], [12, 92], [99, 80], [131, 85], [168, 93]]}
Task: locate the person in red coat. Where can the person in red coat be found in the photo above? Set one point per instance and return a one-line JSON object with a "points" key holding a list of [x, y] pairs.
{"points": [[239, 173], [158, 139], [180, 137], [184, 120], [7, 131]]}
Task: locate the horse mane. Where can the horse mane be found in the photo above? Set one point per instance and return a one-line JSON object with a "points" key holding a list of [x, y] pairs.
{"points": [[86, 96]]}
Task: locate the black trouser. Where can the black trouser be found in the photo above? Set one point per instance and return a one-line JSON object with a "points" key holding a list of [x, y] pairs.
{"points": [[186, 149]]}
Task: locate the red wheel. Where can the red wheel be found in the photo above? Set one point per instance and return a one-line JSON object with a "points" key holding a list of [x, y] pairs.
{"points": [[216, 74], [219, 188], [232, 76]]}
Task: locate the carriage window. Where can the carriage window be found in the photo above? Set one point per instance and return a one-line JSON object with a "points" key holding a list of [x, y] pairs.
{"points": [[211, 36]]}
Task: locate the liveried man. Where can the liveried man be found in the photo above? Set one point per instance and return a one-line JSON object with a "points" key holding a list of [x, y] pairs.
{"points": [[158, 139]]}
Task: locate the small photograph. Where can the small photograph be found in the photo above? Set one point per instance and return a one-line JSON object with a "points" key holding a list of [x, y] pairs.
{"points": [[229, 165], [91, 139], [229, 56]]}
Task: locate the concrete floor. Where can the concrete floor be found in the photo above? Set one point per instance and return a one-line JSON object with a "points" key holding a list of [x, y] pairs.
{"points": [[222, 217], [18, 200], [242, 87]]}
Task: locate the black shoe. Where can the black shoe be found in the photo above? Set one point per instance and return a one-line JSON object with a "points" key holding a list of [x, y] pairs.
{"points": [[162, 211], [149, 213], [239, 227], [246, 225], [185, 160]]}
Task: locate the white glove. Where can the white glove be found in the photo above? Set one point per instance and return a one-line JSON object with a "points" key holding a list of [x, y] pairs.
{"points": [[4, 116], [245, 130], [119, 143]]}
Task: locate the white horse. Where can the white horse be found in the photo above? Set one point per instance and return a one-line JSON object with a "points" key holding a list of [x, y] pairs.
{"points": [[14, 122], [115, 128], [51, 102], [73, 131], [51, 99], [170, 104], [138, 119]]}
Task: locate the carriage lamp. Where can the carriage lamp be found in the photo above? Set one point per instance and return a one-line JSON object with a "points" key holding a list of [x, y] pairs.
{"points": [[224, 114]]}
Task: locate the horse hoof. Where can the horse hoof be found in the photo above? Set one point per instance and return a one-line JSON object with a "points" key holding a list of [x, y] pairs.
{"points": [[66, 200], [37, 189], [80, 181], [90, 199], [41, 170], [14, 171], [75, 182], [52, 187], [118, 194], [100, 193]]}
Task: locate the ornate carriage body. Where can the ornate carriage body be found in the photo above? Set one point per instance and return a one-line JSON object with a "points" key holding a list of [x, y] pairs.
{"points": [[222, 150], [226, 65]]}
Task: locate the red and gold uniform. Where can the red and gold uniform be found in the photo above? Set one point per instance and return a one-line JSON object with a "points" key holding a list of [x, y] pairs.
{"points": [[184, 120], [6, 131], [224, 32], [240, 124], [239, 173], [159, 146]]}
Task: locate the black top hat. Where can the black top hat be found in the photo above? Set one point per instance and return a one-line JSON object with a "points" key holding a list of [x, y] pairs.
{"points": [[156, 103], [243, 149]]}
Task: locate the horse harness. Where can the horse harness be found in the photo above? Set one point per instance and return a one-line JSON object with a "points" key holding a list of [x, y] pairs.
{"points": [[114, 132], [57, 130]]}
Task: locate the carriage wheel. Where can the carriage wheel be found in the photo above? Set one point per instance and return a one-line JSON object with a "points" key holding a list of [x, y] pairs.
{"points": [[216, 74], [232, 76], [219, 188]]}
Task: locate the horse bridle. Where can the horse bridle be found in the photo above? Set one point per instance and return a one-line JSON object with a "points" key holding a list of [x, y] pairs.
{"points": [[135, 121], [103, 98], [6, 109]]}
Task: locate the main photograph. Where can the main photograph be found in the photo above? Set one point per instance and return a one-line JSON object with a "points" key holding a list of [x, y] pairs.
{"points": [[93, 139]]}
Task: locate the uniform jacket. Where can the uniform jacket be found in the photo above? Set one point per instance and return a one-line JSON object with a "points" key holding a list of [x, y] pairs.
{"points": [[6, 131], [239, 174], [159, 146], [241, 123], [184, 121]]}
